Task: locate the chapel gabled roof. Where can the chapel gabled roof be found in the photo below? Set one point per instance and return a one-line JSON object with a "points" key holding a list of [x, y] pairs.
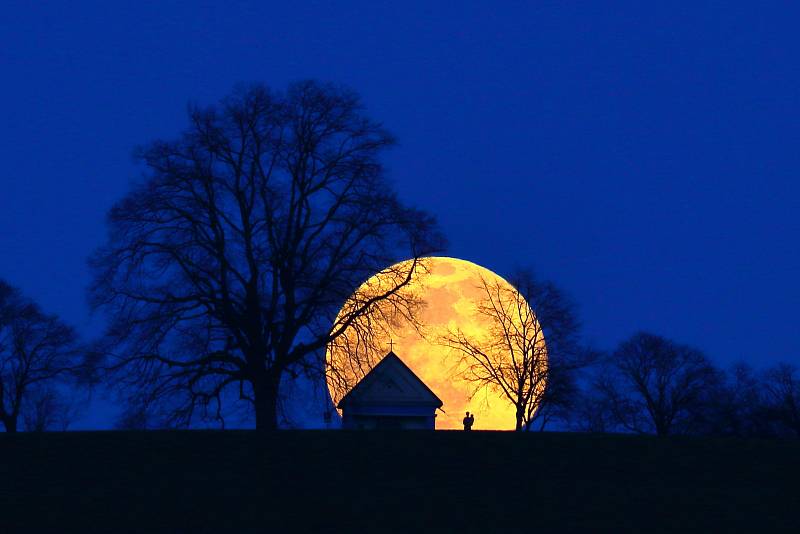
{"points": [[391, 382]]}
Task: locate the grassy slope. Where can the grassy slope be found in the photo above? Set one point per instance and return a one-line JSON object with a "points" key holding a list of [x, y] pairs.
{"points": [[341, 481]]}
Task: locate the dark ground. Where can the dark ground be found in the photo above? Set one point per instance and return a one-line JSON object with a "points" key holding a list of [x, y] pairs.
{"points": [[240, 481]]}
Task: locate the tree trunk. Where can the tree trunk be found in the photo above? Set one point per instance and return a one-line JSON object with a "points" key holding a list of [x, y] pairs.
{"points": [[520, 418], [662, 427], [265, 394], [10, 423]]}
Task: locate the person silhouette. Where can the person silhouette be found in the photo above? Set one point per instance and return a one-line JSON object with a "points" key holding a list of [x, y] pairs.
{"points": [[468, 420]]}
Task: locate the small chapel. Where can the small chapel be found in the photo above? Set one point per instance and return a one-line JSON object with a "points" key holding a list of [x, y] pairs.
{"points": [[390, 396]]}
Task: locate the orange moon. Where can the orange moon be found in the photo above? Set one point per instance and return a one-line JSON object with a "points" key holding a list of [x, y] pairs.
{"points": [[450, 290]]}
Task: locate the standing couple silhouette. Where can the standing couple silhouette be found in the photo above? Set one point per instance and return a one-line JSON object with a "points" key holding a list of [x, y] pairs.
{"points": [[468, 421]]}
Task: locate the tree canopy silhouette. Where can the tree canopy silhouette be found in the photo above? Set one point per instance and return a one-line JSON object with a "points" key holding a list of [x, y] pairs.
{"points": [[653, 384], [226, 265], [781, 385], [36, 350]]}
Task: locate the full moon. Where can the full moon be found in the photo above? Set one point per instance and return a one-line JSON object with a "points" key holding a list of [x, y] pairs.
{"points": [[449, 291]]}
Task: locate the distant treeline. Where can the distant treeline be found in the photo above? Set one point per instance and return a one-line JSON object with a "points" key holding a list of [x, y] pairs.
{"points": [[652, 385], [648, 385]]}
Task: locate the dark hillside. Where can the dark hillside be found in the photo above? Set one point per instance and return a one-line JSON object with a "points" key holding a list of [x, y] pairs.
{"points": [[241, 481]]}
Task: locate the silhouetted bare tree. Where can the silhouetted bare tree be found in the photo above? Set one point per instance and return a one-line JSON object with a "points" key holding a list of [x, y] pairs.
{"points": [[48, 408], [532, 340], [226, 266], [652, 384], [593, 411], [781, 387], [736, 407], [558, 402], [35, 351]]}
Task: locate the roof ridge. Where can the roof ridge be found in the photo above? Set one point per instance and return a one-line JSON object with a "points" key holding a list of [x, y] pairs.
{"points": [[369, 377]]}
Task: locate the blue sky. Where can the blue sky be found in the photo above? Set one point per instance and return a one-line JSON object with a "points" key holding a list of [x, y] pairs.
{"points": [[643, 155]]}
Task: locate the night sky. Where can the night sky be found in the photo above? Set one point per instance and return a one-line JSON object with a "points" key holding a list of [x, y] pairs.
{"points": [[644, 157]]}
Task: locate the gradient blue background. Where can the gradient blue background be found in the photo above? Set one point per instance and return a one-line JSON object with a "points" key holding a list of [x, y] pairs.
{"points": [[644, 155]]}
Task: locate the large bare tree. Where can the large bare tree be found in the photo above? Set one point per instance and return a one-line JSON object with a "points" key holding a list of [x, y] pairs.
{"points": [[36, 351], [530, 350], [653, 384], [226, 265]]}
